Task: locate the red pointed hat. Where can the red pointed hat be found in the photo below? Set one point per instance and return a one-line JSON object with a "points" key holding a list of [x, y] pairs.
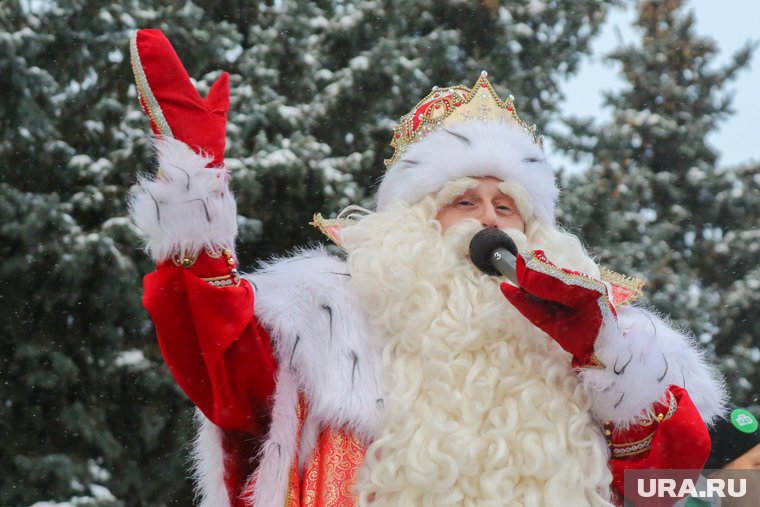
{"points": [[169, 98]]}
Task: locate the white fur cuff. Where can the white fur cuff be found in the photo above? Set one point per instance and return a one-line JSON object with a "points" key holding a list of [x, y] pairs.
{"points": [[643, 356], [208, 464], [186, 207]]}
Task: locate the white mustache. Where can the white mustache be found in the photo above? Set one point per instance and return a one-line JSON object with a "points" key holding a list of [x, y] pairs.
{"points": [[458, 236]]}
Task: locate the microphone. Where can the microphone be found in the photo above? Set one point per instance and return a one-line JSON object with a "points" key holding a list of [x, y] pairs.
{"points": [[494, 253]]}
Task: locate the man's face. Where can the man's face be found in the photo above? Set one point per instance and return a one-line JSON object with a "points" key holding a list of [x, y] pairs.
{"points": [[485, 203]]}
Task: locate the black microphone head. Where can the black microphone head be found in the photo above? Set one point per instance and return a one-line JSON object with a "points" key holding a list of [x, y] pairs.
{"points": [[483, 245]]}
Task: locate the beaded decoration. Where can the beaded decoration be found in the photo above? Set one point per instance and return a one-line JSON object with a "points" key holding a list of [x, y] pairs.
{"points": [[444, 107]]}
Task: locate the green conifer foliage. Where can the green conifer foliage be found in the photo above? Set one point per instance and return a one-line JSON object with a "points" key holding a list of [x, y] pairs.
{"points": [[654, 204], [729, 265], [317, 87], [88, 409]]}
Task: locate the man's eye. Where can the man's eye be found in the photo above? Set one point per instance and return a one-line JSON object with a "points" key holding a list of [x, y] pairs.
{"points": [[464, 203], [504, 208]]}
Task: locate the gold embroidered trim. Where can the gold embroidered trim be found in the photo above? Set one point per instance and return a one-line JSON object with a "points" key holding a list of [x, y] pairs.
{"points": [[329, 226], [629, 283], [632, 448], [578, 279], [214, 252], [223, 281], [216, 278], [594, 362], [652, 418], [291, 498], [184, 261], [627, 449], [451, 105], [672, 407], [144, 91]]}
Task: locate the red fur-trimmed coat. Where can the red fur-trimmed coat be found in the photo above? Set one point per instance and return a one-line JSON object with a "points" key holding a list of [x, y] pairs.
{"points": [[280, 365]]}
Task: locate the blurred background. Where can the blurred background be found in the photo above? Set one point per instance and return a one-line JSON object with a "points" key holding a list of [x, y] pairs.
{"points": [[659, 167]]}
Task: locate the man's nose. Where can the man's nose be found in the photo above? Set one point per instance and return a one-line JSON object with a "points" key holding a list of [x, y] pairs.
{"points": [[488, 216]]}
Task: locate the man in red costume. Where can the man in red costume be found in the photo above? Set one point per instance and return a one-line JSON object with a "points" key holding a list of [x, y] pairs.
{"points": [[403, 375]]}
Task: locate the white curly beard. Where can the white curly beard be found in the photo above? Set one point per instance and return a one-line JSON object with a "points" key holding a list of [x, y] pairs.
{"points": [[481, 409]]}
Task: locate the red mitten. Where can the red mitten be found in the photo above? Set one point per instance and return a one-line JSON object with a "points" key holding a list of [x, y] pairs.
{"points": [[567, 305], [174, 106]]}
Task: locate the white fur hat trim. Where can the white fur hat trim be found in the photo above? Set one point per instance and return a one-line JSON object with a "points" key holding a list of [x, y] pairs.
{"points": [[473, 149]]}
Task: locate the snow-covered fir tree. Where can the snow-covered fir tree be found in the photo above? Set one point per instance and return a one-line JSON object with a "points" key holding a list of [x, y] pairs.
{"points": [[88, 409], [317, 87], [654, 205], [730, 268]]}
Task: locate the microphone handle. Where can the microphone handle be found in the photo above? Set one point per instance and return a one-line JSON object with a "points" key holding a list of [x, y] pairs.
{"points": [[504, 262]]}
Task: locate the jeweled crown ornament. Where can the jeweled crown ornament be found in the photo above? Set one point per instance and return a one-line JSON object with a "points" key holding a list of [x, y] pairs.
{"points": [[452, 105]]}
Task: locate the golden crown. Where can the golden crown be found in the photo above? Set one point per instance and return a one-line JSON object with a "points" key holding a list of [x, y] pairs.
{"points": [[444, 107]]}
